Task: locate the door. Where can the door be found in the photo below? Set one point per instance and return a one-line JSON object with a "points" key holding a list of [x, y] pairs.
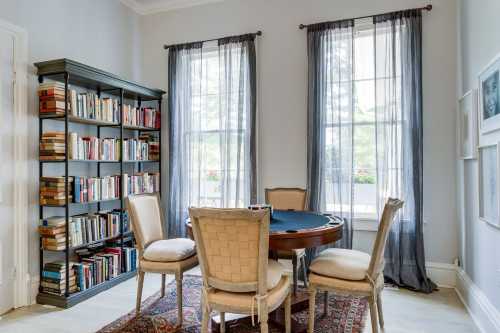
{"points": [[7, 76]]}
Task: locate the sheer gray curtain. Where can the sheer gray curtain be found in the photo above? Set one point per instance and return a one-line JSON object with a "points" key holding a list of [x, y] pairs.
{"points": [[330, 122], [212, 108], [398, 59]]}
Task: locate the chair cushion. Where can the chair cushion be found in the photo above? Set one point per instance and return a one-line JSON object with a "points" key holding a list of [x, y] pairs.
{"points": [[275, 271], [167, 250], [341, 264]]}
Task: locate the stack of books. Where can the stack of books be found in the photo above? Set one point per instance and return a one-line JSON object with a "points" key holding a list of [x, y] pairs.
{"points": [[154, 145], [88, 105], [144, 117], [52, 190], [89, 228], [52, 146], [93, 148], [142, 182], [52, 231], [54, 278], [88, 189], [130, 259], [51, 98], [135, 150]]}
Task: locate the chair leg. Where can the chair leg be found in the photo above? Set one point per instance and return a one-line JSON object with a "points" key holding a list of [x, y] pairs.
{"points": [[288, 313], [304, 271], [222, 322], [205, 316], [140, 283], [325, 299], [178, 280], [379, 308], [264, 327], [373, 314], [312, 305], [295, 277], [163, 285]]}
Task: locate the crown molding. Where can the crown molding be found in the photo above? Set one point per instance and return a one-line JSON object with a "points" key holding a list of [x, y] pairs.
{"points": [[164, 5]]}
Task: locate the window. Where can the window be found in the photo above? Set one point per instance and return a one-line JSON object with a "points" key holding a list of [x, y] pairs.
{"points": [[352, 107], [219, 169]]}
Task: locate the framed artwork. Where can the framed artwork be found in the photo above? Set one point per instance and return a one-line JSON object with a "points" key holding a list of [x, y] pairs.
{"points": [[489, 188], [467, 125], [489, 97]]}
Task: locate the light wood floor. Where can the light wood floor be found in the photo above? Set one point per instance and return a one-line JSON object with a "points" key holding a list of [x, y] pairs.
{"points": [[404, 311]]}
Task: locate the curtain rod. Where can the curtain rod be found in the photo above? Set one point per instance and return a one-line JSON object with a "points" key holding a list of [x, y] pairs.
{"points": [[302, 26], [166, 47]]}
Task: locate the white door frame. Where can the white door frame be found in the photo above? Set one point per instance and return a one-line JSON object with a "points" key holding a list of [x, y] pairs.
{"points": [[22, 283]]}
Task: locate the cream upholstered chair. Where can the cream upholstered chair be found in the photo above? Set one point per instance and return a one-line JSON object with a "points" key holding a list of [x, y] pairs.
{"points": [[353, 272], [283, 198], [156, 254], [238, 277]]}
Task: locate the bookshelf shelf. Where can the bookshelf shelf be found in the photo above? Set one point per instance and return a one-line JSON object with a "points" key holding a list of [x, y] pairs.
{"points": [[68, 72], [75, 298]]}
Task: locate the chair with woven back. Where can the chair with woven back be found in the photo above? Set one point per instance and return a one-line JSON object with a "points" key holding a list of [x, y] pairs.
{"points": [[156, 254], [238, 277], [288, 198], [352, 272]]}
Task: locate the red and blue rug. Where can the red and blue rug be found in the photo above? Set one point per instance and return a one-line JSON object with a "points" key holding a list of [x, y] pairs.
{"points": [[159, 315]]}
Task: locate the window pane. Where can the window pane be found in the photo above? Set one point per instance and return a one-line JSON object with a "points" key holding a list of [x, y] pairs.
{"points": [[364, 54]]}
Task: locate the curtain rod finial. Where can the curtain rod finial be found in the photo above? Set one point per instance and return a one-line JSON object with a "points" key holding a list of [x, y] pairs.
{"points": [[259, 33], [301, 26], [428, 7]]}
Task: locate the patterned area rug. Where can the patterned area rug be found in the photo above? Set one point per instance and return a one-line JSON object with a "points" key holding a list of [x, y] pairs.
{"points": [[159, 315]]}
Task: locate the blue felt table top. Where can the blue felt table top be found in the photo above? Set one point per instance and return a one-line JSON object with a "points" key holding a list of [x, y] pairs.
{"points": [[283, 220]]}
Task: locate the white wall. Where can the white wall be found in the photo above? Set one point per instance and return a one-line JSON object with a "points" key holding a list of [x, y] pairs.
{"points": [[480, 43], [99, 33], [282, 60]]}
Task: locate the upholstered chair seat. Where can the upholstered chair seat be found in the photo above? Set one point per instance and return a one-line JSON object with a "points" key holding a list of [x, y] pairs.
{"points": [[341, 264], [352, 272], [170, 250], [275, 272], [156, 253]]}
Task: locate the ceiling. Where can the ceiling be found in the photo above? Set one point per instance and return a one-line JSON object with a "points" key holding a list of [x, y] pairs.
{"points": [[145, 7]]}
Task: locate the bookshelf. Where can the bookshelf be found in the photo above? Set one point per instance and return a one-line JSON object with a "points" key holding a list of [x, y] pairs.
{"points": [[69, 73]]}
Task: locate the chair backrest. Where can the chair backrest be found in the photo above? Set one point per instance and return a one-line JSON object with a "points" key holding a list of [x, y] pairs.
{"points": [[286, 198], [232, 246], [377, 259], [147, 219]]}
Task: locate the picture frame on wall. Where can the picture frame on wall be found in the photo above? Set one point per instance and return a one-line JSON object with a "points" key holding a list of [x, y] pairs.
{"points": [[489, 97], [489, 184], [467, 125]]}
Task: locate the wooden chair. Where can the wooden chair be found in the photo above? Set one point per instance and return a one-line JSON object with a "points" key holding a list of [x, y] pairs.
{"points": [[353, 272], [283, 198], [156, 254], [238, 277]]}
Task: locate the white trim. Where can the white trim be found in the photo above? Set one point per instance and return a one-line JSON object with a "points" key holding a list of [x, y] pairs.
{"points": [[21, 246], [163, 5], [485, 315], [442, 274]]}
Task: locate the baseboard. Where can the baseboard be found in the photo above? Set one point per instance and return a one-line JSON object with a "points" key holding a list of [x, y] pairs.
{"points": [[35, 282], [444, 275], [485, 315]]}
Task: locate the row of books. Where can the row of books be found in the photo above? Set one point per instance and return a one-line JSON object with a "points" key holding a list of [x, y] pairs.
{"points": [[88, 105], [93, 148], [143, 182], [137, 150], [144, 117], [91, 271], [89, 189], [83, 229]]}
